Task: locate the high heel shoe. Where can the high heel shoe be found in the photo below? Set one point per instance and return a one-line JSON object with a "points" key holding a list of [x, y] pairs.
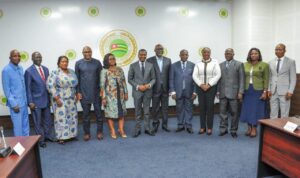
{"points": [[113, 136], [253, 132], [248, 131], [122, 134]]}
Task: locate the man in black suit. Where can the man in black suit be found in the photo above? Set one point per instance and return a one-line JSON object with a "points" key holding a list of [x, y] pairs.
{"points": [[160, 96]]}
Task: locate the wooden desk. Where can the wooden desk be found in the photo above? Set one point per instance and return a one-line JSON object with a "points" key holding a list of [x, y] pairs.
{"points": [[279, 150], [28, 165]]}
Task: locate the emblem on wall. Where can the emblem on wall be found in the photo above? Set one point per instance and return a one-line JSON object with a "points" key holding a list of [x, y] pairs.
{"points": [[223, 13], [45, 12], [71, 54], [93, 11], [24, 56], [1, 13], [3, 100], [140, 11], [121, 44]]}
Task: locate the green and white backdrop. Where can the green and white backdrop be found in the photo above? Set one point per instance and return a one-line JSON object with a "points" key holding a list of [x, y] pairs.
{"points": [[122, 27]]}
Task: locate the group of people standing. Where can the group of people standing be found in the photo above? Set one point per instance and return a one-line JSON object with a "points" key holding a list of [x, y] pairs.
{"points": [[153, 79]]}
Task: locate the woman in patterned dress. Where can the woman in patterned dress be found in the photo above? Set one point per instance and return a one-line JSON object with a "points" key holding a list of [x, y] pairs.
{"points": [[62, 84], [114, 94]]}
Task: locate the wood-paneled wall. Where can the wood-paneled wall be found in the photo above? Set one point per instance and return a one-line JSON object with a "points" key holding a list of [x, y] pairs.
{"points": [[295, 103]]}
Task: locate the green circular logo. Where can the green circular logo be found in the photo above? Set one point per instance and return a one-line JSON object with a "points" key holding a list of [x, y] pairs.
{"points": [[45, 12], [121, 44], [24, 56], [184, 12], [118, 47], [3, 100], [200, 51], [223, 13], [71, 54], [140, 11], [1, 13], [165, 53], [93, 11]]}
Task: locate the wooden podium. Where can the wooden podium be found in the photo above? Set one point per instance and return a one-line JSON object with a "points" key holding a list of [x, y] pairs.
{"points": [[279, 150], [28, 165]]}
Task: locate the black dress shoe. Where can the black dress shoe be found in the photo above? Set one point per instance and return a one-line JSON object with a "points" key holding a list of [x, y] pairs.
{"points": [[190, 130], [148, 132], [234, 135], [165, 129], [223, 133], [179, 129], [155, 126], [136, 134], [42, 144]]}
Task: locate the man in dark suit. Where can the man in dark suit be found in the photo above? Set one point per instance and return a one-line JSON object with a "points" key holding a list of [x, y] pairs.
{"points": [[182, 89], [160, 97], [230, 90], [142, 78], [88, 90], [38, 98]]}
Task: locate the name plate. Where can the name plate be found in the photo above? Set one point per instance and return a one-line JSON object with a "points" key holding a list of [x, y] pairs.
{"points": [[19, 149], [290, 126]]}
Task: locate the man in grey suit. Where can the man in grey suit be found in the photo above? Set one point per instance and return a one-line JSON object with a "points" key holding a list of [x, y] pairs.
{"points": [[182, 89], [160, 97], [142, 78], [282, 81], [230, 90]]}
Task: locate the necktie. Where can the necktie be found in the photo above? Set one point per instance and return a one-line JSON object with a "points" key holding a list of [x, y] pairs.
{"points": [[183, 66], [183, 81], [278, 65], [227, 64], [42, 74], [143, 69]]}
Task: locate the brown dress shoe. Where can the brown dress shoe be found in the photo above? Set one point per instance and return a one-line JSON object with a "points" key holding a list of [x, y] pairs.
{"points": [[99, 136], [86, 137], [209, 132]]}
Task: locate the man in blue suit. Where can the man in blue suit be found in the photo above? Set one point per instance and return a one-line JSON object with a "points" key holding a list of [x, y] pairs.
{"points": [[38, 98], [182, 89], [15, 92]]}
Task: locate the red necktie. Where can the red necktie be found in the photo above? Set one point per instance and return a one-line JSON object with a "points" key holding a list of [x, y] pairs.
{"points": [[42, 74]]}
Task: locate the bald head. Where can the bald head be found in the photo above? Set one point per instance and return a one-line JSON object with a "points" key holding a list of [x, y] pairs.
{"points": [[14, 56], [159, 50], [87, 52]]}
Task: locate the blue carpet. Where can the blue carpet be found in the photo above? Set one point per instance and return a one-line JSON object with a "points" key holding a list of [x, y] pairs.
{"points": [[169, 155], [166, 155]]}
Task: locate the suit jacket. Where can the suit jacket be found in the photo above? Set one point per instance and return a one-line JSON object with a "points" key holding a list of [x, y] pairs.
{"points": [[36, 90], [14, 85], [260, 75], [136, 78], [232, 79], [177, 77], [161, 77], [285, 80]]}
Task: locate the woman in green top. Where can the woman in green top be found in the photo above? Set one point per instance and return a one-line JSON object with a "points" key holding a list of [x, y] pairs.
{"points": [[256, 86]]}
